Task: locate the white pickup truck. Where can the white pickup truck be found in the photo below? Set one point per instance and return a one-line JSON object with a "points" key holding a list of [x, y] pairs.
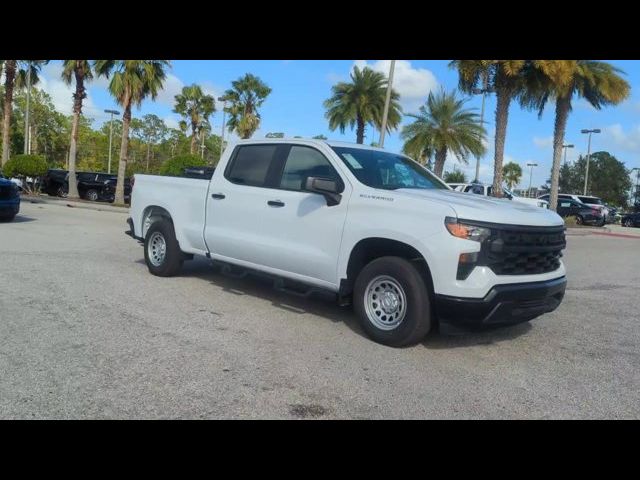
{"points": [[375, 227]]}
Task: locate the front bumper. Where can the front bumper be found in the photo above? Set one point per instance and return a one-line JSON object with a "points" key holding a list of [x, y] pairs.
{"points": [[9, 207], [505, 304]]}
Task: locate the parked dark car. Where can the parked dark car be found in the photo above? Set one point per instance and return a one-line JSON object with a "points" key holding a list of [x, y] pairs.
{"points": [[94, 186], [9, 199], [630, 220], [583, 214]]}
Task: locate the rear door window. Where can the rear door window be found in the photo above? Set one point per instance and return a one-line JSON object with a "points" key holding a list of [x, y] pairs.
{"points": [[250, 165]]}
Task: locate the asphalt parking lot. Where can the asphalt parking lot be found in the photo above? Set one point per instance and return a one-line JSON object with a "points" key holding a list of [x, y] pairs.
{"points": [[87, 332]]}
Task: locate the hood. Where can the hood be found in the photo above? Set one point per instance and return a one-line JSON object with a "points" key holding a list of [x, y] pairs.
{"points": [[471, 206], [5, 182]]}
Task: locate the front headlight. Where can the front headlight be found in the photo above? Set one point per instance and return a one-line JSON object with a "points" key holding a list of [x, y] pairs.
{"points": [[466, 231]]}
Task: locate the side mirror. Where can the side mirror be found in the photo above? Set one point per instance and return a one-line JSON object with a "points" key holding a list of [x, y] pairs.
{"points": [[328, 188]]}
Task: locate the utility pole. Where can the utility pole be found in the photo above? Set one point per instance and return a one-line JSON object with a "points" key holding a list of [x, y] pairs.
{"points": [[26, 115], [586, 173], [530, 176], [112, 112], [477, 91], [224, 112], [385, 114], [565, 151]]}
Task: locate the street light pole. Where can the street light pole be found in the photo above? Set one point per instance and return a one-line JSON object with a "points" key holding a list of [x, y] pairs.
{"points": [[484, 90], [586, 173], [565, 151], [636, 196], [26, 115], [385, 113], [530, 176], [112, 112], [224, 112]]}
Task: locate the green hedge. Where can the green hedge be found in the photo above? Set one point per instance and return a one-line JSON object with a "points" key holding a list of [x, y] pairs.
{"points": [[175, 166], [26, 165]]}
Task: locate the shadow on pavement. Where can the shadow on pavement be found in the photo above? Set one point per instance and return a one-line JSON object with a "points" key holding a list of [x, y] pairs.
{"points": [[324, 305], [20, 219]]}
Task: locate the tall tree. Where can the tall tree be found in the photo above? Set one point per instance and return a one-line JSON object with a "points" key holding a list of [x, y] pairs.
{"points": [[512, 173], [443, 125], [245, 96], [196, 107], [132, 81], [80, 71], [504, 77], [15, 75], [599, 83], [361, 102]]}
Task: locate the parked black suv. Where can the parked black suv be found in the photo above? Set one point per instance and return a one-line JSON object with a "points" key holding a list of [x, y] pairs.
{"points": [[94, 186], [630, 220], [583, 214]]}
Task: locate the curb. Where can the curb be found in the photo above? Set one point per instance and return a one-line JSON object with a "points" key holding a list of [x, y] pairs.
{"points": [[63, 202]]}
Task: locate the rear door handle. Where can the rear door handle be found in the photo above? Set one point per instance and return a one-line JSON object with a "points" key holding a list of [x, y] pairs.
{"points": [[275, 203], [218, 196]]}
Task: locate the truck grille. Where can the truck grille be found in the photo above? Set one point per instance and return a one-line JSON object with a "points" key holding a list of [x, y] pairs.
{"points": [[525, 250]]}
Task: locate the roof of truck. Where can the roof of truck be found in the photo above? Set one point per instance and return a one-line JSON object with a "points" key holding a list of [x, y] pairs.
{"points": [[316, 141]]}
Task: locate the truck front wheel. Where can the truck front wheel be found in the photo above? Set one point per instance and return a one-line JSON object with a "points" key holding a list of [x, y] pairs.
{"points": [[161, 250], [392, 302]]}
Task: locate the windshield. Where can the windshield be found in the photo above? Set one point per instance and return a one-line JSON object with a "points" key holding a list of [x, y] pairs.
{"points": [[386, 170]]}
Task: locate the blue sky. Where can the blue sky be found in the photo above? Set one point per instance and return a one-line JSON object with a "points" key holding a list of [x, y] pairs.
{"points": [[300, 86]]}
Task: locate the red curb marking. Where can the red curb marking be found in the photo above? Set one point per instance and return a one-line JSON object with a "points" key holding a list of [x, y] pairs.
{"points": [[622, 235]]}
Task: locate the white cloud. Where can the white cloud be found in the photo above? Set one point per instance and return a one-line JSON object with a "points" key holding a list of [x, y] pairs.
{"points": [[413, 84], [62, 94], [172, 86], [615, 137], [335, 78], [545, 142], [171, 121]]}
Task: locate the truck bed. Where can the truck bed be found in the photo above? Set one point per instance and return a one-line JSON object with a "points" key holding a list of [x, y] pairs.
{"points": [[185, 200]]}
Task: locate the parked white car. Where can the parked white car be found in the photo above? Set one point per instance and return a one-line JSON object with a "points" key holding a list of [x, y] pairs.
{"points": [[483, 189], [374, 227]]}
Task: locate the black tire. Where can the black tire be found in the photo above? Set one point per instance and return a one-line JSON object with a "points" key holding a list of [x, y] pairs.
{"points": [[417, 319], [627, 223], [62, 192], [7, 218], [92, 195], [173, 258], [579, 220]]}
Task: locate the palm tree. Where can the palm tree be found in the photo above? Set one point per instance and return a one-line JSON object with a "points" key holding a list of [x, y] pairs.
{"points": [[599, 83], [196, 107], [131, 83], [444, 125], [246, 95], [81, 71], [504, 77], [512, 173], [361, 102], [15, 75]]}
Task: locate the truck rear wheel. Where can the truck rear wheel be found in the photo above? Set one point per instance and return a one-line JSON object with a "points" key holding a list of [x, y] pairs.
{"points": [[392, 302], [161, 250]]}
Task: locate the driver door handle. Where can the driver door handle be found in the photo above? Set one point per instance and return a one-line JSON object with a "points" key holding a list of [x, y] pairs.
{"points": [[218, 196], [275, 203]]}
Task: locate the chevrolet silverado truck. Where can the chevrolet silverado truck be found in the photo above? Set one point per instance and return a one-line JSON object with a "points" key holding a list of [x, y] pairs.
{"points": [[376, 228]]}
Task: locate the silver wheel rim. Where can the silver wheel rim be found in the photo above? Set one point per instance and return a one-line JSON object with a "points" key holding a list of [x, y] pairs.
{"points": [[157, 249], [385, 302], [93, 196]]}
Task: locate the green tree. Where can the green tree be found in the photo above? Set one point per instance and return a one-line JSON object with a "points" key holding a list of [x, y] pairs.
{"points": [[80, 71], [455, 176], [512, 173], [175, 166], [361, 102], [196, 107], [599, 83], [608, 178], [320, 137], [131, 82], [26, 166], [245, 96], [15, 74], [505, 78], [443, 125]]}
